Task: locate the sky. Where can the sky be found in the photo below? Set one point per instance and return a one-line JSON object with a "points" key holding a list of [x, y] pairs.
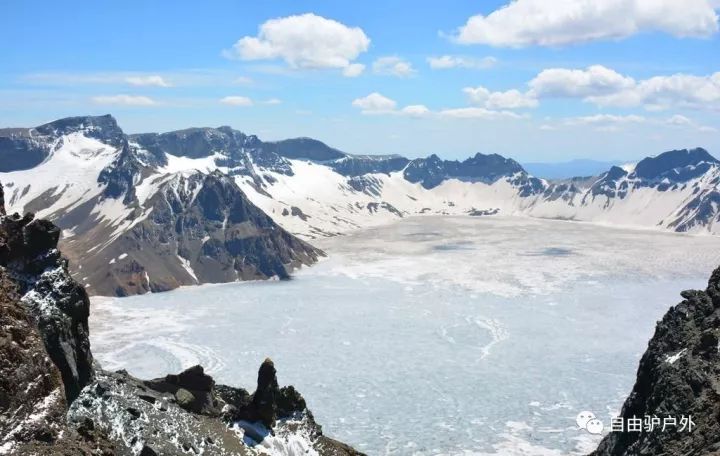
{"points": [[536, 80]]}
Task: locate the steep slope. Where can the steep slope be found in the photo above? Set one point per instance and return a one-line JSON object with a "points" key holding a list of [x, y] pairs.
{"points": [[54, 400], [141, 219], [196, 228], [678, 377]]}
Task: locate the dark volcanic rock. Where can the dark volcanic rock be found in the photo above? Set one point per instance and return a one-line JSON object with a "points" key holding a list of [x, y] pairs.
{"points": [[103, 128], [359, 165], [678, 376], [307, 148], [24, 148], [58, 304], [45, 357], [192, 388], [201, 229], [2, 200], [265, 397], [268, 403], [676, 165], [432, 171]]}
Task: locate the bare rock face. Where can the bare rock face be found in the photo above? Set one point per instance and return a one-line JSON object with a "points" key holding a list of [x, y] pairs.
{"points": [[58, 305], [678, 376], [45, 355], [199, 229]]}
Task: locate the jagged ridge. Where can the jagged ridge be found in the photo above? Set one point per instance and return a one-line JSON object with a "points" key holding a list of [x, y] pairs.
{"points": [[678, 376]]}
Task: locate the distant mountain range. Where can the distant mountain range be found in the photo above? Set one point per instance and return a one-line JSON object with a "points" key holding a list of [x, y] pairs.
{"points": [[150, 212]]}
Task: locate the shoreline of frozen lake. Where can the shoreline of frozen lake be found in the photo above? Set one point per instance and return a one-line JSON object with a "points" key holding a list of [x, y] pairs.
{"points": [[452, 335]]}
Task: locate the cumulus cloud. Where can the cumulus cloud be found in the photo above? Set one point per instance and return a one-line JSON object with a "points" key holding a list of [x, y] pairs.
{"points": [[511, 99], [664, 92], [304, 41], [606, 87], [454, 61], [375, 103], [353, 70], [415, 110], [124, 100], [151, 80], [681, 121], [561, 22], [591, 81], [393, 66], [236, 100]]}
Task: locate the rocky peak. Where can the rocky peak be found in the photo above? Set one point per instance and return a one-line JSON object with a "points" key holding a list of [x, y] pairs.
{"points": [[104, 128], [192, 142], [432, 171], [677, 377], [675, 165]]}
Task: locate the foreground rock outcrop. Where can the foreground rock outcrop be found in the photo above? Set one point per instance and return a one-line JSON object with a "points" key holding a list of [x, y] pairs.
{"points": [[55, 400], [678, 376]]}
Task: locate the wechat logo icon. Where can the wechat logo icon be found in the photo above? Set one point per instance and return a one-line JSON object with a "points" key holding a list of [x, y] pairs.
{"points": [[587, 421]]}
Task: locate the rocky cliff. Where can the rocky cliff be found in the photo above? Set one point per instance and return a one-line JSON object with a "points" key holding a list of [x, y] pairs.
{"points": [[55, 400], [678, 376]]}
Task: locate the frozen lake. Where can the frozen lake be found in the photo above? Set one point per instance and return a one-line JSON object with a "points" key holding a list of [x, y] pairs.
{"points": [[451, 336]]}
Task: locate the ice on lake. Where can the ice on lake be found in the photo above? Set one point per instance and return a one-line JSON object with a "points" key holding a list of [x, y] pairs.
{"points": [[452, 336]]}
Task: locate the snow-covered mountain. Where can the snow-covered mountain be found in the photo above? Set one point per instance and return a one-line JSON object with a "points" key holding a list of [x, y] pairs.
{"points": [[155, 211]]}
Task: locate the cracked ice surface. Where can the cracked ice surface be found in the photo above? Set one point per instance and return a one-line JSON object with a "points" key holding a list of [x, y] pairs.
{"points": [[430, 336]]}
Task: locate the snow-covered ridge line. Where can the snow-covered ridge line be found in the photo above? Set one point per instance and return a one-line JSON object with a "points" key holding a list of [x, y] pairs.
{"points": [[108, 189]]}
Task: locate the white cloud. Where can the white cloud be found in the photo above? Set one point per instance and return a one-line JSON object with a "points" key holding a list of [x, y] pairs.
{"points": [[124, 100], [562, 22], [353, 70], [594, 80], [478, 113], [375, 103], [606, 87], [681, 121], [415, 110], [454, 61], [304, 41], [511, 99], [236, 101], [272, 101], [151, 80], [663, 92], [393, 66]]}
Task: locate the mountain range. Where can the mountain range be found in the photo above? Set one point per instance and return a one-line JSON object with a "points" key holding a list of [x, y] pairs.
{"points": [[151, 212]]}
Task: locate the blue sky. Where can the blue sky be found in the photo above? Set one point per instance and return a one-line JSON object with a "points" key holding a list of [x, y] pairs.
{"points": [[532, 79]]}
